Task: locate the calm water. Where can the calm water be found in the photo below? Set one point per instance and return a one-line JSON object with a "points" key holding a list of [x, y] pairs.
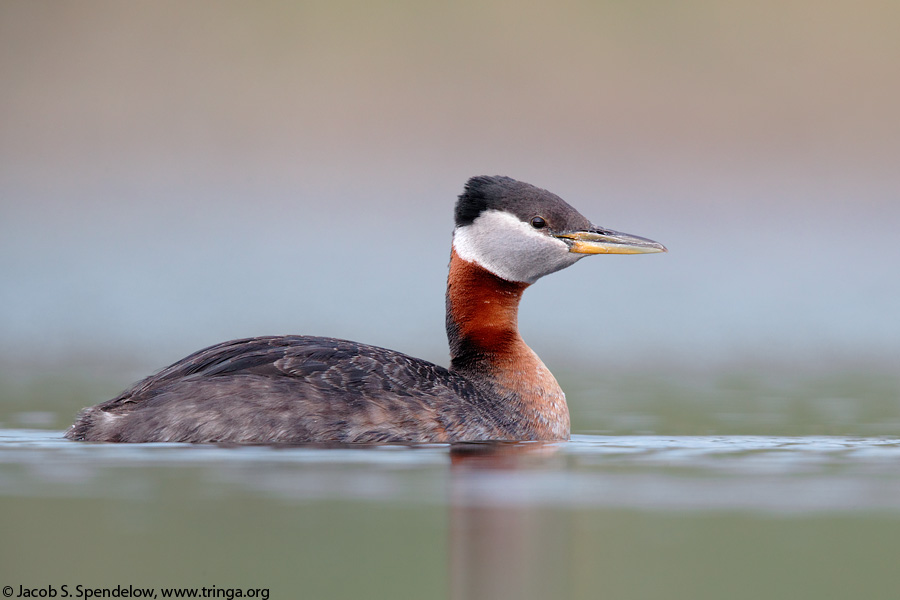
{"points": [[632, 516]]}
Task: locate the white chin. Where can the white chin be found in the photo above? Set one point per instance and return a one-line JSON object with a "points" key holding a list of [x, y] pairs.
{"points": [[510, 249]]}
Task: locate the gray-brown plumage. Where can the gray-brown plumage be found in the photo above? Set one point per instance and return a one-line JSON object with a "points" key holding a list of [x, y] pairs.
{"points": [[295, 389], [311, 389]]}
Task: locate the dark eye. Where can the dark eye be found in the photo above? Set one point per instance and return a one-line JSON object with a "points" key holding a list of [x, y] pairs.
{"points": [[538, 223]]}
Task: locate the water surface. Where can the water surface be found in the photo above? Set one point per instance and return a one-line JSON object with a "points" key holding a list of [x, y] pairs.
{"points": [[601, 516]]}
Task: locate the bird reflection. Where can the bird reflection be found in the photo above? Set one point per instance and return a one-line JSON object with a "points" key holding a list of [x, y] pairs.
{"points": [[504, 545]]}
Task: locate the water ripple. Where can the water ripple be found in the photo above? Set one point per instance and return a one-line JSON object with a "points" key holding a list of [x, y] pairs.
{"points": [[670, 473]]}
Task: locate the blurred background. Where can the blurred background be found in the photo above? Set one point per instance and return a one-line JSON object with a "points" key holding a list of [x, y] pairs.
{"points": [[176, 174]]}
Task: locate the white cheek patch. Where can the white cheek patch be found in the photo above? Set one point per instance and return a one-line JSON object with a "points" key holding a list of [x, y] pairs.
{"points": [[510, 249]]}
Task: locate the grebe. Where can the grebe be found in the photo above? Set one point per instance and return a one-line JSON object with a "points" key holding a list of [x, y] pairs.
{"points": [[296, 389]]}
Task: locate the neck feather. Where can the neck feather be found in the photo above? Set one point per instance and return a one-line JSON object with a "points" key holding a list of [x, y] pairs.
{"points": [[482, 315], [485, 347]]}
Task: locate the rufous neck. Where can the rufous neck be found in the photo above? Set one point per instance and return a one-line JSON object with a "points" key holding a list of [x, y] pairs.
{"points": [[486, 348], [482, 315]]}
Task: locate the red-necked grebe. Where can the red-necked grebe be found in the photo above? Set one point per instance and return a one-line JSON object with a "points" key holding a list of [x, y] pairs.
{"points": [[295, 389]]}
